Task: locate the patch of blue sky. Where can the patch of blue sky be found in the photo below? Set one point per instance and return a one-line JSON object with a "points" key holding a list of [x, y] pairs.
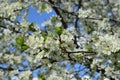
{"points": [[79, 67], [39, 18], [11, 48], [35, 73], [6, 78], [68, 67], [20, 67], [82, 71], [95, 76], [4, 65]]}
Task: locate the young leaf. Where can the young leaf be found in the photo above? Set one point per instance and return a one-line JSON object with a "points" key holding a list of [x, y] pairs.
{"points": [[43, 7], [20, 40], [31, 27], [42, 77], [44, 34], [58, 30], [24, 47], [90, 49]]}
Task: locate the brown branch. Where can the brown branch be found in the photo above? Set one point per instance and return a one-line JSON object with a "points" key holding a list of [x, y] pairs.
{"points": [[3, 26], [81, 52], [75, 41], [63, 10], [110, 19], [76, 24], [11, 69], [79, 6], [102, 71], [8, 19], [71, 59], [13, 29], [59, 14], [6, 69], [14, 22]]}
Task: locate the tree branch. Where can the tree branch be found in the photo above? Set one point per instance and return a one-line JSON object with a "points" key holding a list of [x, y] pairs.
{"points": [[79, 6], [110, 19], [6, 69], [81, 52], [63, 10], [59, 14], [76, 24], [13, 29]]}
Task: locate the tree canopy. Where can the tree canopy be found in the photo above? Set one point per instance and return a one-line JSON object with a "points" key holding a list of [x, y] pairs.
{"points": [[85, 32]]}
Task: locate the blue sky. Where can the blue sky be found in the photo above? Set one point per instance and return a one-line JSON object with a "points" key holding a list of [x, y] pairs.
{"points": [[39, 18]]}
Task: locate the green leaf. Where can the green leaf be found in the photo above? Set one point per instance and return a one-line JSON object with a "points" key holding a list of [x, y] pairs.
{"points": [[44, 34], [1, 36], [59, 30], [20, 40], [53, 19], [46, 49], [90, 49], [31, 27], [42, 77], [24, 47], [20, 43], [43, 7], [22, 0], [90, 30]]}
